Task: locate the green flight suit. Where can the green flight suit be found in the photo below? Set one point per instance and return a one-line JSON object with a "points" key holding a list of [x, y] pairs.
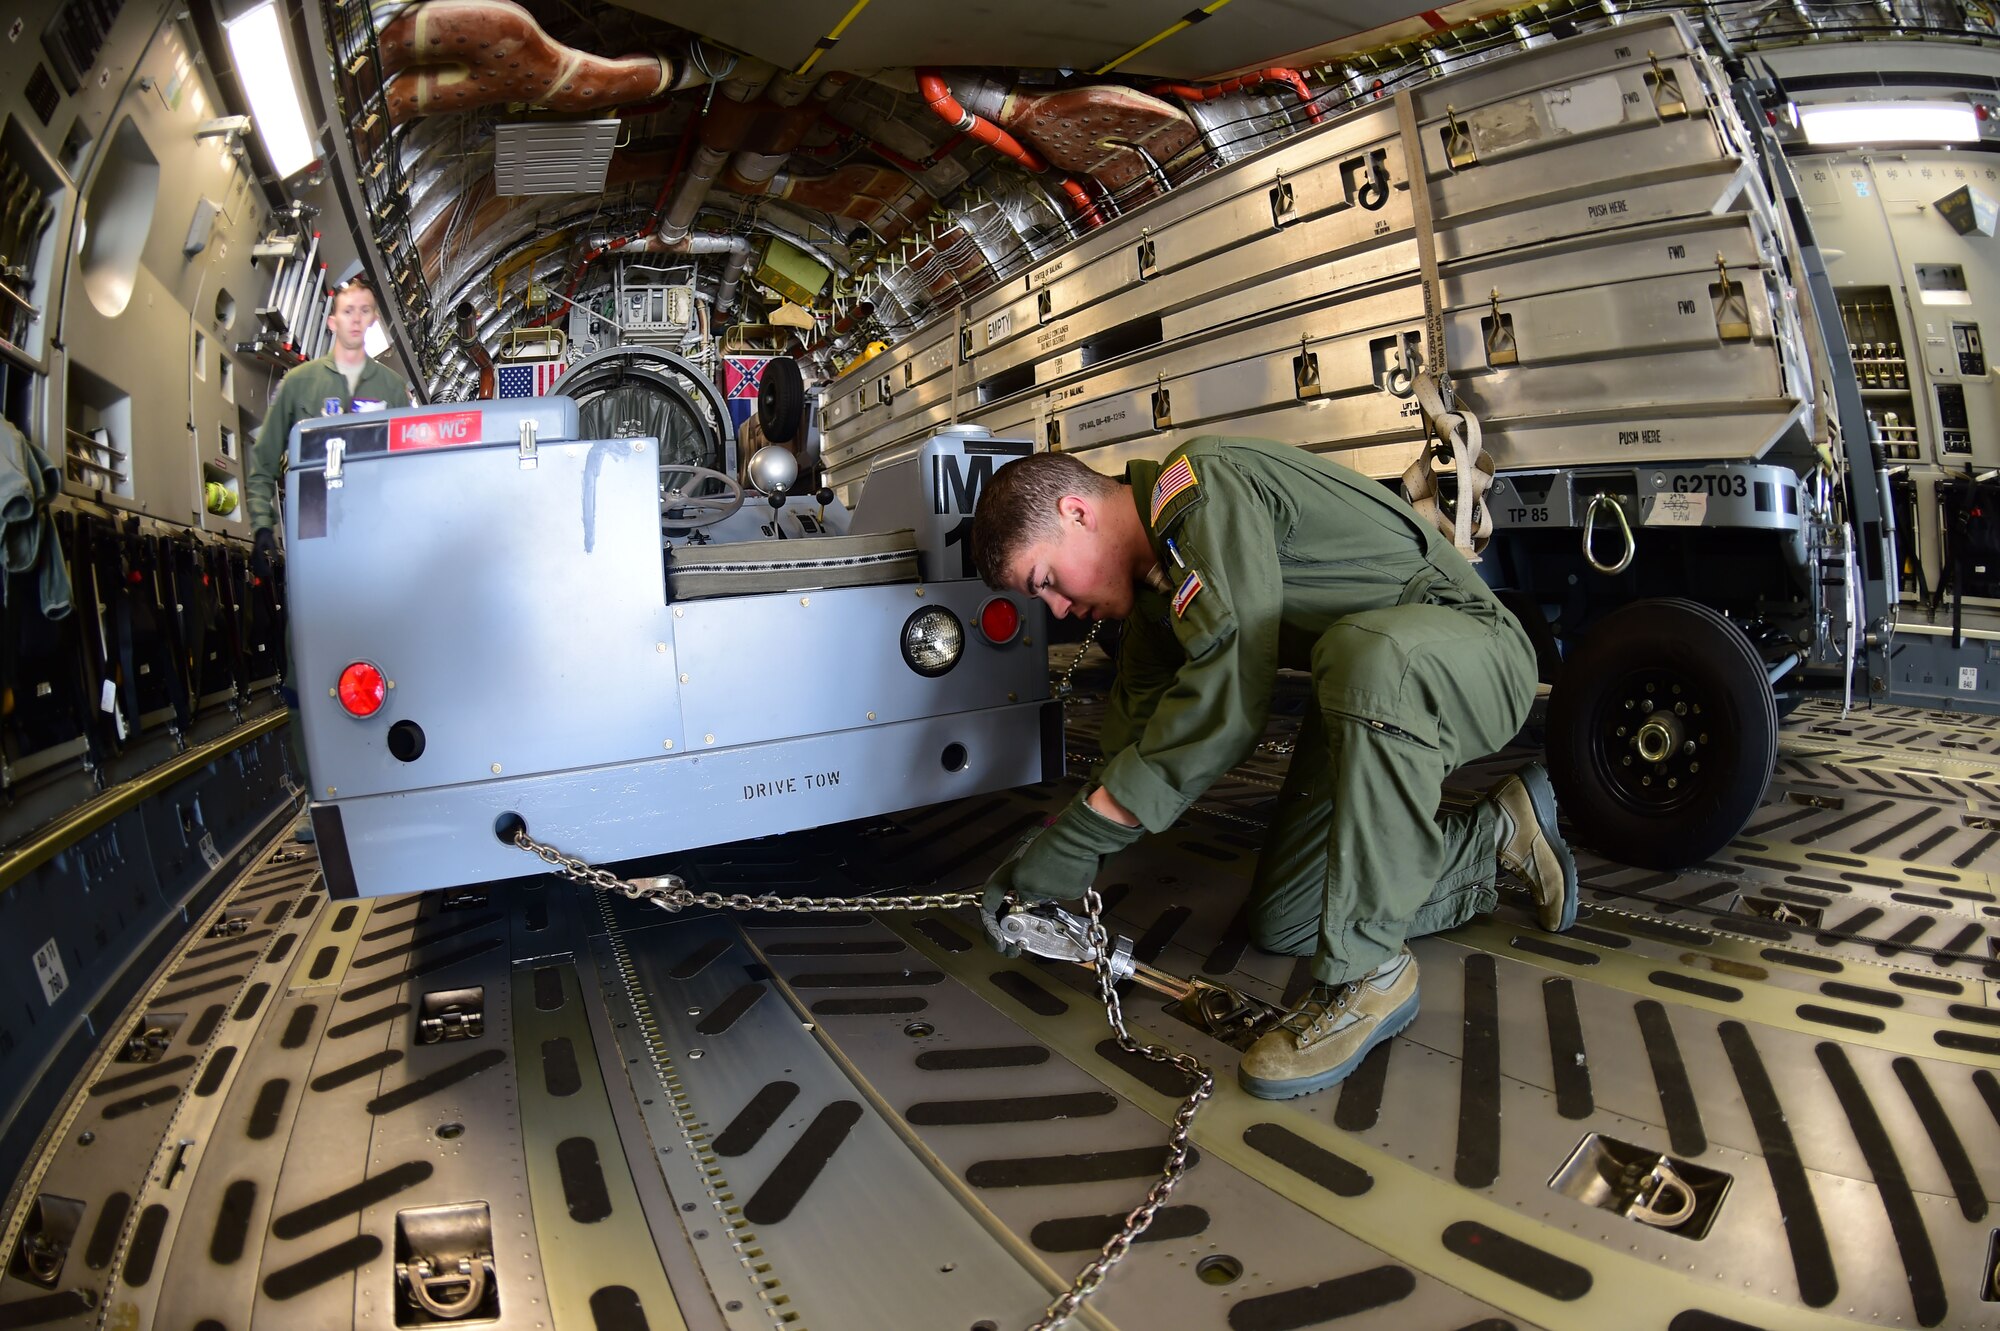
{"points": [[316, 388], [1273, 557]]}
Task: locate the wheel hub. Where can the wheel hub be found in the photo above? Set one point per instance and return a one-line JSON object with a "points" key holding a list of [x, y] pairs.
{"points": [[1655, 736], [1659, 735]]}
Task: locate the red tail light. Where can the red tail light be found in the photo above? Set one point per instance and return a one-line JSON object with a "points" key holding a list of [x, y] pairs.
{"points": [[362, 689], [1000, 620]]}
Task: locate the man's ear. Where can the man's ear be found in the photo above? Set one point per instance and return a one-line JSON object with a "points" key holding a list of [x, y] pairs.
{"points": [[1075, 510]]}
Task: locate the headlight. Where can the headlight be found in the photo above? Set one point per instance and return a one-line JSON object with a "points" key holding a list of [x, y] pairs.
{"points": [[933, 640]]}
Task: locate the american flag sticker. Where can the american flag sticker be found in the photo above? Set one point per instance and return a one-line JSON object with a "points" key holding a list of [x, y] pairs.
{"points": [[1173, 481], [1190, 589], [528, 379]]}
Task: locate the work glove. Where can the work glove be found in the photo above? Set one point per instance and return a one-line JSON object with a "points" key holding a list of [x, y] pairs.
{"points": [[263, 549], [1056, 864]]}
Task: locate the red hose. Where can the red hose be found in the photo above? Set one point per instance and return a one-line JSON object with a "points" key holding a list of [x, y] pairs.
{"points": [[937, 95], [1290, 77]]}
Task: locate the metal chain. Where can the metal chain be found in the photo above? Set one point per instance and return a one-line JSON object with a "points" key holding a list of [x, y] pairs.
{"points": [[1062, 687], [669, 892], [1141, 1216]]}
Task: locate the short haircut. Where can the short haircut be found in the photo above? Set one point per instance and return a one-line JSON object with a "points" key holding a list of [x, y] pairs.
{"points": [[358, 282], [1017, 508]]}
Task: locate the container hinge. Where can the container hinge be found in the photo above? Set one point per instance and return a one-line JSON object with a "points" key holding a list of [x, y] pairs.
{"points": [[528, 458], [336, 450]]}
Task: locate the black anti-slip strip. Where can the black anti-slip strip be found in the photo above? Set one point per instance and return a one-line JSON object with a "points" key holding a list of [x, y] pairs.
{"points": [[298, 1029], [837, 947], [1883, 838], [355, 1071], [1689, 984], [731, 1009], [697, 961], [218, 1068], [1567, 1059], [270, 1103], [866, 979], [196, 991], [104, 1234], [795, 1174], [158, 1096], [1312, 1305], [1230, 947], [432, 1082], [204, 1026], [548, 989], [322, 963], [1906, 1221], [582, 1174], [45, 1308], [1860, 993], [755, 1118], [1080, 1233], [997, 1056], [1361, 1094], [1972, 1044], [430, 964], [145, 1249], [1909, 933], [281, 948], [278, 912], [1989, 1090], [1944, 1139], [943, 935], [1803, 960], [253, 998], [1029, 994], [888, 1005], [1160, 933], [351, 1201], [1677, 1103], [232, 1222], [1540, 947], [1047, 1171], [1165, 1078], [145, 1072], [1930, 984], [355, 1025], [1694, 1319], [1812, 1260], [343, 919], [1314, 1163], [206, 967], [1478, 1160], [1845, 1020], [410, 945], [1016, 1109], [289, 1282], [559, 1070], [1523, 1263], [617, 1308]]}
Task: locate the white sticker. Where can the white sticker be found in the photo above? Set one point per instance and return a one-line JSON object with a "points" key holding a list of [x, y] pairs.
{"points": [[1672, 510], [49, 970], [209, 854], [107, 698], [999, 326], [1968, 678], [1583, 108]]}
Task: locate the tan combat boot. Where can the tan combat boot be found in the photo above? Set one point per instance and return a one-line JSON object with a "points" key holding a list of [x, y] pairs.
{"points": [[1532, 849], [1331, 1030]]}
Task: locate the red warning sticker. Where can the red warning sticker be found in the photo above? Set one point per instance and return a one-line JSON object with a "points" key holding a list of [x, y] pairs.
{"points": [[443, 430]]}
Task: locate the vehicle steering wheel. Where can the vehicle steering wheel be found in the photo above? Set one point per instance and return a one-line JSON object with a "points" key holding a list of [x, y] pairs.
{"points": [[679, 512]]}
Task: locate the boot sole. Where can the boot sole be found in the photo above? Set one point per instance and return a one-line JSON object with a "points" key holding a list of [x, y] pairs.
{"points": [[1542, 795], [1291, 1089]]}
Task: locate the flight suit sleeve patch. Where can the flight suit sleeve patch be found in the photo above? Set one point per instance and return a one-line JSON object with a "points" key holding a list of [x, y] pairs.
{"points": [[1189, 589], [1176, 491]]}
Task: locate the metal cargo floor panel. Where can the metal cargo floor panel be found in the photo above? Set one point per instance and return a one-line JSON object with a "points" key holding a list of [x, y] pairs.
{"points": [[809, 1121]]}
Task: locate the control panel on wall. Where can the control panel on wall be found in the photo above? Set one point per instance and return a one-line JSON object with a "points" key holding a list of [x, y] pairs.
{"points": [[1954, 428], [1971, 352]]}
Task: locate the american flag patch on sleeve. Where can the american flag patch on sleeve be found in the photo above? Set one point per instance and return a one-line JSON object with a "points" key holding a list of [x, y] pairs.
{"points": [[1190, 588], [1173, 481]]}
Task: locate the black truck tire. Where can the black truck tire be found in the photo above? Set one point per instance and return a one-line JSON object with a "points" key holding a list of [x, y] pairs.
{"points": [[1662, 734]]}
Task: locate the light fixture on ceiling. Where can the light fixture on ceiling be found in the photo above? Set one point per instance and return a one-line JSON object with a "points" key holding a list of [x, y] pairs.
{"points": [[1890, 122], [264, 67]]}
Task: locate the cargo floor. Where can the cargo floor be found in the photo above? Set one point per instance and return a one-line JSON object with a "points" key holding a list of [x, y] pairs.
{"points": [[869, 1123]]}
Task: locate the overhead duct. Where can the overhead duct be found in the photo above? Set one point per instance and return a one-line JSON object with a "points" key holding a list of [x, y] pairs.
{"points": [[723, 128], [738, 248], [938, 96], [455, 55], [468, 336]]}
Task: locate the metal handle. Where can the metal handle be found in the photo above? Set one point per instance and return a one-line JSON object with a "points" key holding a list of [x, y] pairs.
{"points": [[431, 1287], [1590, 531]]}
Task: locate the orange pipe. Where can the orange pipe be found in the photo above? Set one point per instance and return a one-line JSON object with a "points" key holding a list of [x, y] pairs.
{"points": [[1290, 77], [937, 95]]}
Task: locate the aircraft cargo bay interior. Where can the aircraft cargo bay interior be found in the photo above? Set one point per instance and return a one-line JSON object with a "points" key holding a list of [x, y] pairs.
{"points": [[845, 666]]}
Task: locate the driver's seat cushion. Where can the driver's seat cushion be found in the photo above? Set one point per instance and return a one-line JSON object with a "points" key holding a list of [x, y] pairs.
{"points": [[748, 568]]}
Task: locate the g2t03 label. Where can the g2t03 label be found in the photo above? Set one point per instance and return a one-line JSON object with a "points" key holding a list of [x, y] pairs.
{"points": [[1709, 483]]}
